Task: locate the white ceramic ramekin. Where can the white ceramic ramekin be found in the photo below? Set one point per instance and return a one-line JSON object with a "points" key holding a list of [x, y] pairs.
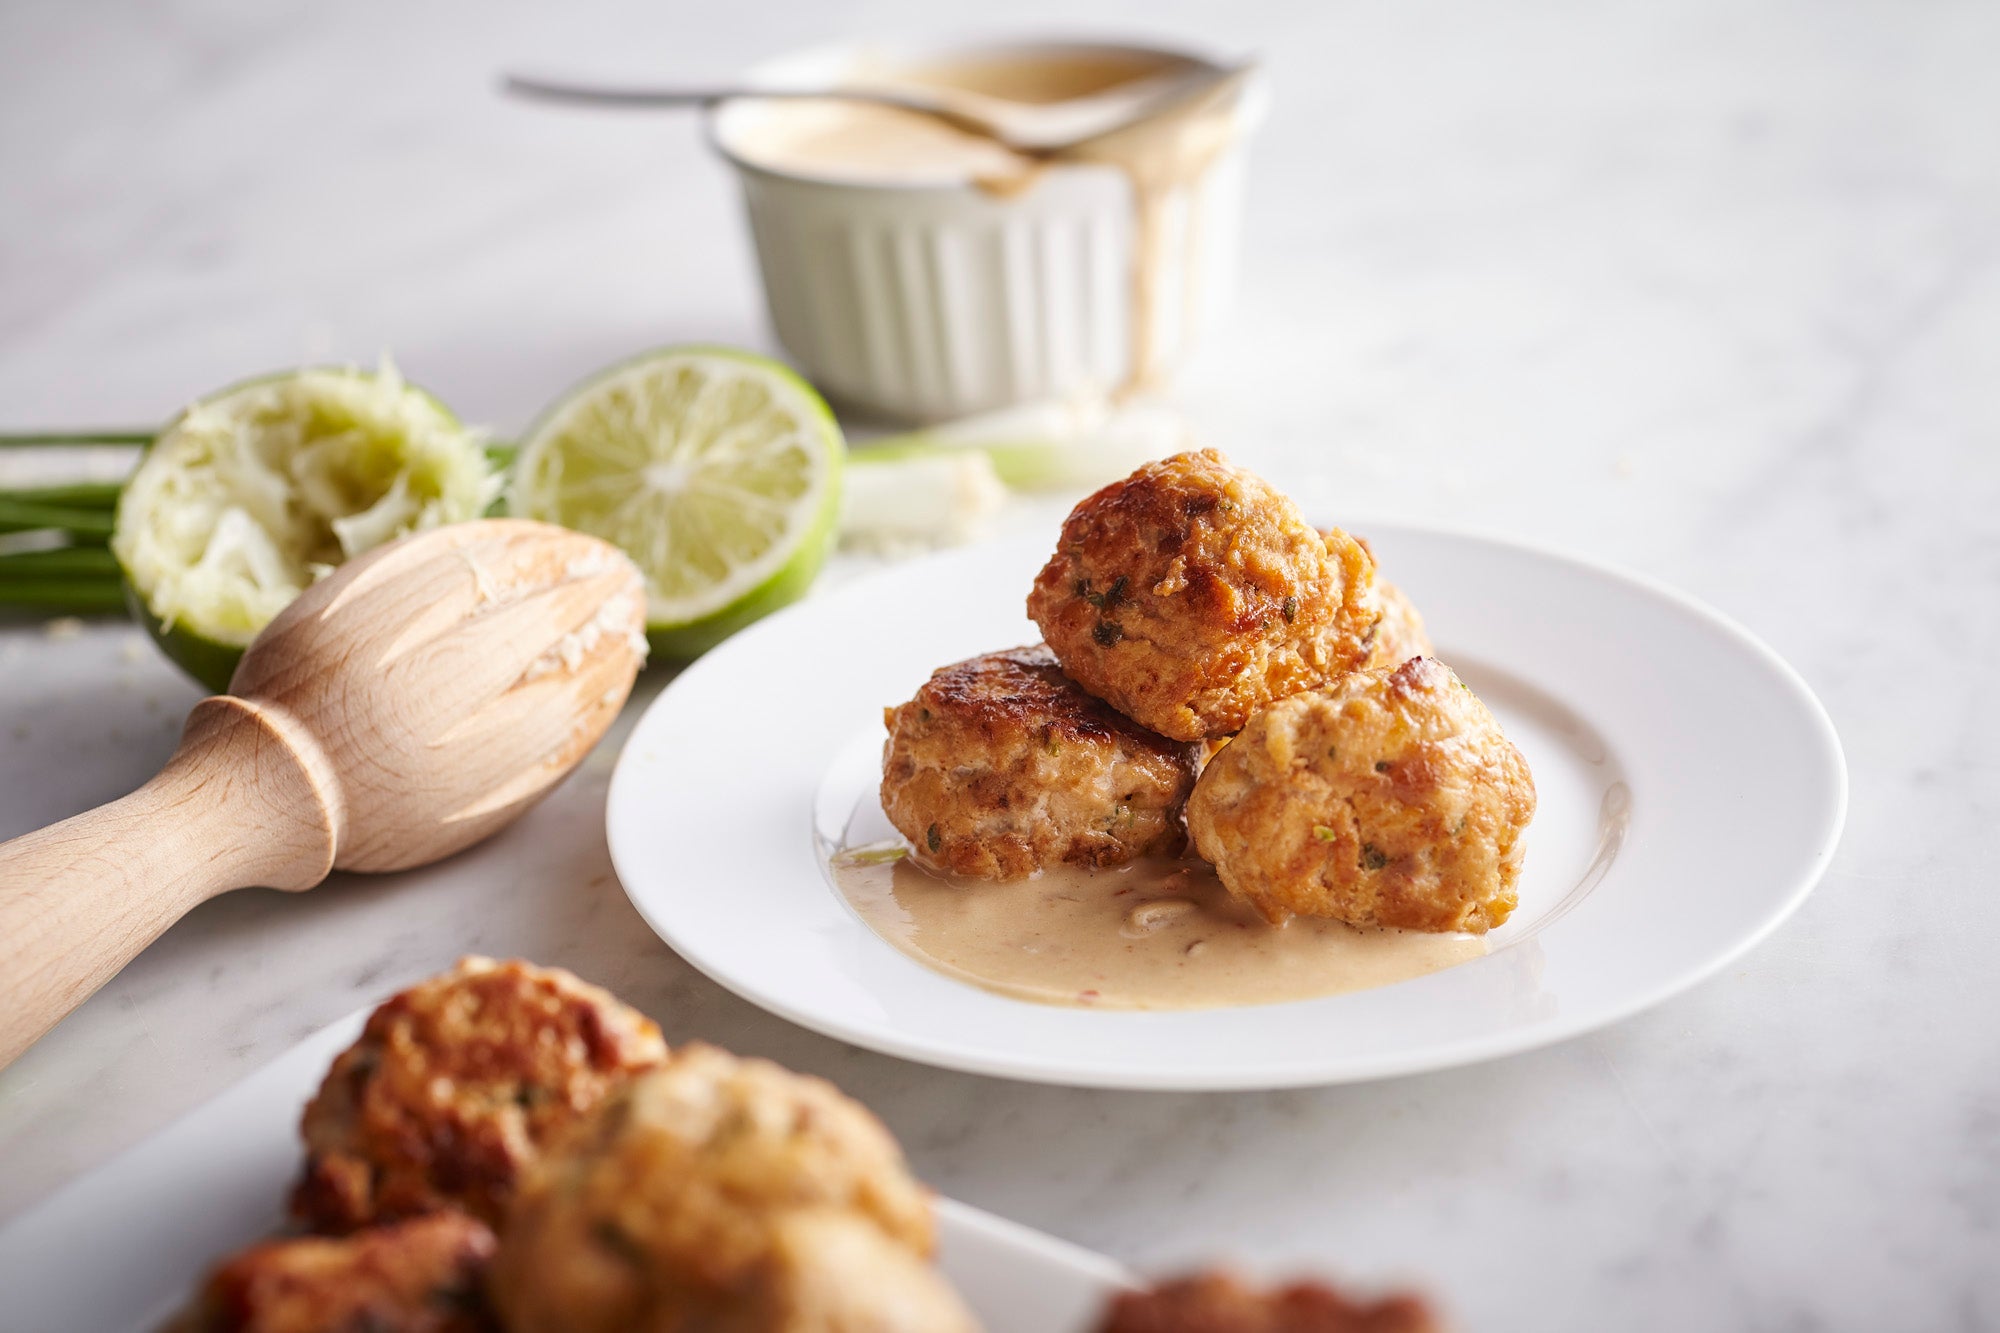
{"points": [[929, 302]]}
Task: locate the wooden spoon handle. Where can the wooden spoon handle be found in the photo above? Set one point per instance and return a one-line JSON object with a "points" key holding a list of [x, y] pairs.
{"points": [[247, 799]]}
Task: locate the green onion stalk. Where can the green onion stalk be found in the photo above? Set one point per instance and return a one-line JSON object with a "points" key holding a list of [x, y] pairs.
{"points": [[54, 558]]}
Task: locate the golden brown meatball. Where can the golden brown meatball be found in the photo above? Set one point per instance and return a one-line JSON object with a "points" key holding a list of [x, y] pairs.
{"points": [[1399, 634], [455, 1086], [1390, 798], [1217, 1303], [1191, 593], [723, 1194], [1002, 766], [419, 1276]]}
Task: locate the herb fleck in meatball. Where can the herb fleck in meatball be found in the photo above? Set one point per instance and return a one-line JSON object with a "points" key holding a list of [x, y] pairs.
{"points": [[418, 1276], [1191, 593], [1002, 766], [724, 1194], [1389, 798], [1217, 1303], [455, 1086]]}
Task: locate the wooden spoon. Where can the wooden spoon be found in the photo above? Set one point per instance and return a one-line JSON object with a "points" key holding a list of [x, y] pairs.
{"points": [[411, 703]]}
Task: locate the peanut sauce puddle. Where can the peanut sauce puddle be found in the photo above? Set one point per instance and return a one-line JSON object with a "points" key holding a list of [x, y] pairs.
{"points": [[1158, 934]]}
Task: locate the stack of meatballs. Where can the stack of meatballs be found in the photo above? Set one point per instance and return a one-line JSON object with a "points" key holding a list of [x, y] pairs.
{"points": [[1216, 670]]}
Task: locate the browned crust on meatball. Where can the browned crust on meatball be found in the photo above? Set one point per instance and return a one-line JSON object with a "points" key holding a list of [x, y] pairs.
{"points": [[1218, 1303], [418, 1276], [1390, 798], [1001, 766], [455, 1087], [1191, 593], [713, 1193]]}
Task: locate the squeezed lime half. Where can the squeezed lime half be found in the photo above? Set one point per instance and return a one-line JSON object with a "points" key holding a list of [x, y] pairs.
{"points": [[253, 493], [716, 470]]}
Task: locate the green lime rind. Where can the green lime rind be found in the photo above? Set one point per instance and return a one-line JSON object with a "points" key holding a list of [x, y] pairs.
{"points": [[684, 643], [208, 663]]}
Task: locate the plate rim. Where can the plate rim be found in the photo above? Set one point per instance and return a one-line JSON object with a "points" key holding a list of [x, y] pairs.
{"points": [[1832, 764]]}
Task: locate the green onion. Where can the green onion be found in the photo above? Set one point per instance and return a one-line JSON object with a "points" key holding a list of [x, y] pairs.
{"points": [[880, 854], [72, 580], [65, 561], [898, 498], [1072, 444], [76, 495], [72, 596], [74, 439], [27, 516]]}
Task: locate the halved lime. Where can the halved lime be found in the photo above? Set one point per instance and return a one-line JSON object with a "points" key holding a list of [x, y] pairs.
{"points": [[252, 494], [716, 470]]}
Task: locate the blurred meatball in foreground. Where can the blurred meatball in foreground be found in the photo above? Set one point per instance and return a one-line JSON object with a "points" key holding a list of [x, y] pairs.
{"points": [[1002, 766], [1216, 1303], [730, 1195], [455, 1086], [1191, 593], [1389, 798], [419, 1276]]}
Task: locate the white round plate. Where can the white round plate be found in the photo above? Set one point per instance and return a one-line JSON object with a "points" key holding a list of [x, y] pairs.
{"points": [[1691, 792]]}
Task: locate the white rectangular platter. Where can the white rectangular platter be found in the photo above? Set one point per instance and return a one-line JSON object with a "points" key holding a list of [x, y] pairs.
{"points": [[122, 1247]]}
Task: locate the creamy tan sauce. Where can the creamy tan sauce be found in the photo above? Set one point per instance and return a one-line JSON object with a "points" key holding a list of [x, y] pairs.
{"points": [[877, 145], [1159, 157], [1040, 79], [1161, 934], [886, 145], [882, 145]]}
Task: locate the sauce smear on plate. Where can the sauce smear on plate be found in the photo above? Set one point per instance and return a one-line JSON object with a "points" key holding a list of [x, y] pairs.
{"points": [[1159, 934]]}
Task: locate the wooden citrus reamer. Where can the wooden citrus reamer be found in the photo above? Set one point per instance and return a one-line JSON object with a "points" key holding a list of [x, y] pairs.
{"points": [[411, 703]]}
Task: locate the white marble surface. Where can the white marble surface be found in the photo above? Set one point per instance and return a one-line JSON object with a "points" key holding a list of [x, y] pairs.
{"points": [[1709, 289]]}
